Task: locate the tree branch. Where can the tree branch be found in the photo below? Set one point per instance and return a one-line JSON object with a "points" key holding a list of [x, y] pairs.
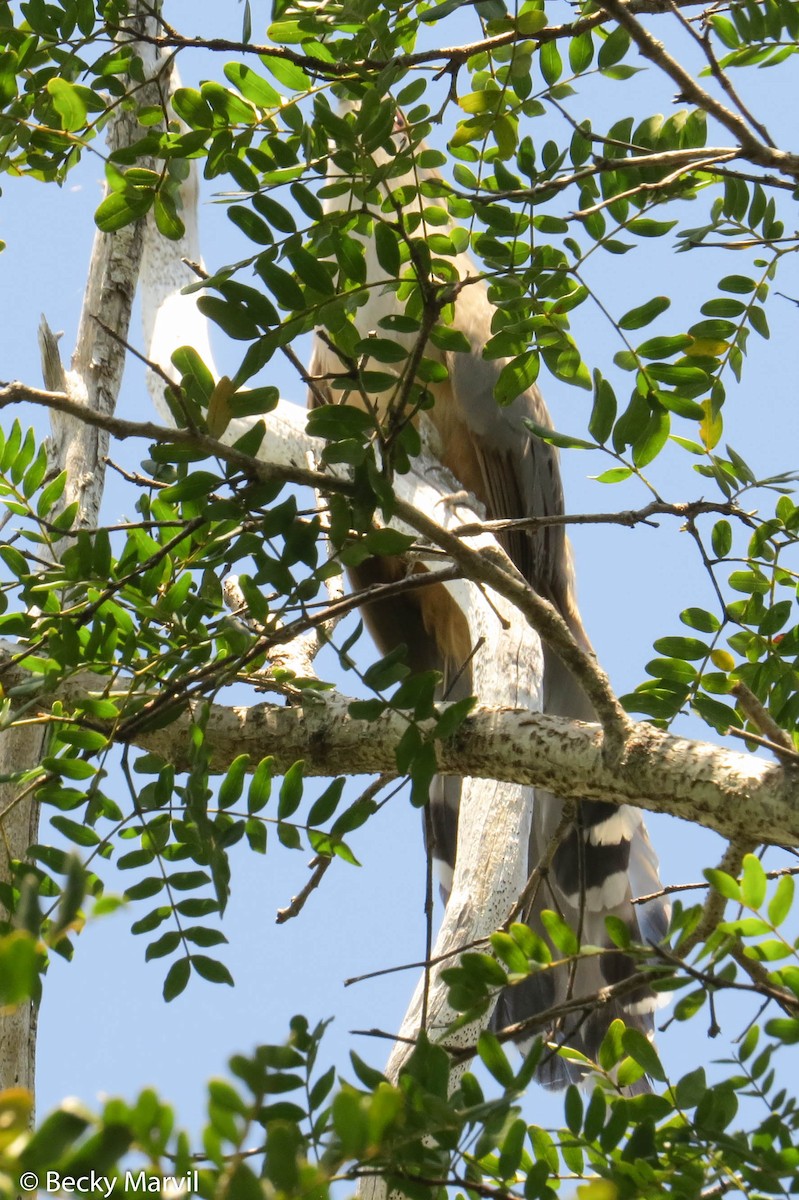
{"points": [[453, 55], [740, 796], [753, 148], [286, 455]]}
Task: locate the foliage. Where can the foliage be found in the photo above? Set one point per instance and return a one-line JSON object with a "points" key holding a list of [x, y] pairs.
{"points": [[283, 1124], [539, 187]]}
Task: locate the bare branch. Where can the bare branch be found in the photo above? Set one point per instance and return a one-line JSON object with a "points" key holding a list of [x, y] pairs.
{"points": [[684, 510], [319, 866], [764, 721]]}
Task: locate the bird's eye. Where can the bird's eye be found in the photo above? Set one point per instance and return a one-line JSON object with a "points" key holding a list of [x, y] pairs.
{"points": [[401, 131]]}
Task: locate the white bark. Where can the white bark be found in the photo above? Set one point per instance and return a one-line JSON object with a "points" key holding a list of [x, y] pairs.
{"points": [[739, 796], [523, 748], [507, 667], [80, 449]]}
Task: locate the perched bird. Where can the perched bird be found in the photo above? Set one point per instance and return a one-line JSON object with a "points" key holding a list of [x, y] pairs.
{"points": [[605, 859]]}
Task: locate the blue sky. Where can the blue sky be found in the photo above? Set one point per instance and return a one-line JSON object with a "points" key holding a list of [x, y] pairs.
{"points": [[104, 1026]]}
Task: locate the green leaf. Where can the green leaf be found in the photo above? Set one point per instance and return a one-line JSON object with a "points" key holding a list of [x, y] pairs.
{"points": [[618, 932], [785, 1029], [167, 221], [507, 949], [232, 319], [639, 1048], [581, 52], [682, 647], [530, 21], [261, 786], [323, 808], [781, 902], [387, 248], [51, 494], [654, 437], [255, 832], [561, 936], [123, 208], [69, 101], [512, 1149], [252, 86], [573, 1109], [282, 285], [176, 979], [644, 314], [453, 717], [603, 413], [186, 881], [211, 969], [233, 784], [200, 935], [664, 347], [721, 538], [701, 619], [289, 836], [81, 835], [614, 475], [758, 321], [494, 1058], [164, 945], [753, 882], [564, 440], [723, 883], [647, 227], [291, 791], [551, 62], [517, 376], [614, 48], [691, 1088], [739, 284]]}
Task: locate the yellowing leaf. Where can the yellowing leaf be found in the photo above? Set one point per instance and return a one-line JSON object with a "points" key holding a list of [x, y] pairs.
{"points": [[480, 102], [712, 427], [598, 1189], [706, 348], [722, 659], [219, 413]]}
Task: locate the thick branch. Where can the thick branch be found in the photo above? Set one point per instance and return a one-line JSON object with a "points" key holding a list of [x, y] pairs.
{"points": [[737, 795], [494, 570]]}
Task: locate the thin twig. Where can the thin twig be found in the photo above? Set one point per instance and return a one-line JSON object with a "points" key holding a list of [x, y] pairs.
{"points": [[762, 718], [641, 189], [297, 903], [780, 751], [684, 510], [716, 903], [672, 888]]}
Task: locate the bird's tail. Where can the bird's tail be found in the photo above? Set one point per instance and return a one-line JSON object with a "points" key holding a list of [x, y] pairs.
{"points": [[603, 862]]}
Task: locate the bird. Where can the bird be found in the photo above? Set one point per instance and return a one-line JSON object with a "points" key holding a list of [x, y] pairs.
{"points": [[605, 858]]}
